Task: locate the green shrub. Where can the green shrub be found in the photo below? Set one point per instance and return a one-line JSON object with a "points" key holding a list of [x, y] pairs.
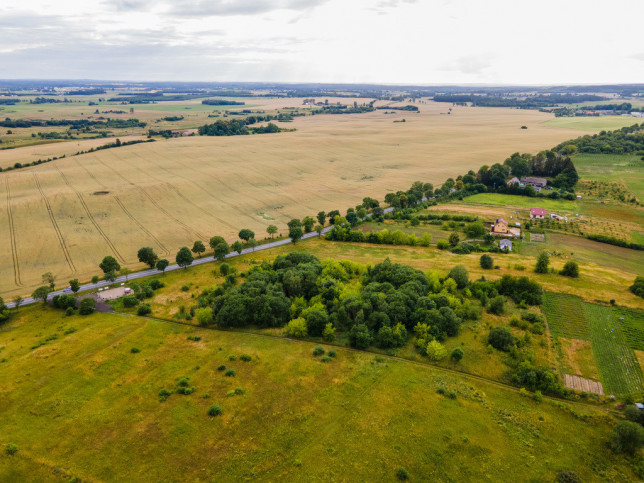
{"points": [[87, 306], [230, 393], [457, 354], [318, 350], [164, 394], [183, 382], [451, 394], [232, 357], [570, 269], [486, 261], [221, 368], [326, 359], [239, 391], [401, 474], [442, 245], [567, 477], [11, 448], [496, 305], [185, 288], [95, 279], [69, 311], [185, 390], [135, 350], [501, 338], [214, 410], [144, 309], [230, 373], [130, 301], [627, 437], [245, 358], [441, 390], [332, 353]]}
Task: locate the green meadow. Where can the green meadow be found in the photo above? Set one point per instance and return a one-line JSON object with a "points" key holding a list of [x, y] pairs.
{"points": [[80, 398]]}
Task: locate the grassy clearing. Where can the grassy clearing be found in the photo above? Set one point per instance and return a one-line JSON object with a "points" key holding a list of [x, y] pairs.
{"points": [[592, 123], [626, 169], [562, 206], [98, 415], [612, 340], [172, 192]]}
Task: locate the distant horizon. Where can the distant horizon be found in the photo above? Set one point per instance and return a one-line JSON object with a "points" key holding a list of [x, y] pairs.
{"points": [[295, 83]]}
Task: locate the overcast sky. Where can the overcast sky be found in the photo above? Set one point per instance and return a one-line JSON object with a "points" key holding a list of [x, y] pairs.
{"points": [[369, 41]]}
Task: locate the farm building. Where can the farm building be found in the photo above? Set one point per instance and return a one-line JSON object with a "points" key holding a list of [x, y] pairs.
{"points": [[515, 232], [538, 213], [503, 244], [500, 226], [534, 182], [514, 180]]}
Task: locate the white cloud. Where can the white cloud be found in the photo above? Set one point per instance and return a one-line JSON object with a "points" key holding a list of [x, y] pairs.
{"points": [[387, 41]]}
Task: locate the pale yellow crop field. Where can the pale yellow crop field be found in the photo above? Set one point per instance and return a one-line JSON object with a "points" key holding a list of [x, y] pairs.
{"points": [[170, 193]]}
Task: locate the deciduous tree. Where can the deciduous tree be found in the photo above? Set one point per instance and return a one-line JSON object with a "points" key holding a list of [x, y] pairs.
{"points": [[246, 234], [162, 265], [74, 285], [109, 264], [271, 230], [147, 255], [198, 248], [184, 257]]}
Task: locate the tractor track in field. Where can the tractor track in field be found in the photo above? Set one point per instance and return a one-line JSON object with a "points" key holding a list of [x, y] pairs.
{"points": [[12, 237], [90, 216], [164, 250], [455, 372], [159, 207], [59, 233]]}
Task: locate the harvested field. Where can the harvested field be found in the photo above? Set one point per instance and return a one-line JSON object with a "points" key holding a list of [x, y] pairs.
{"points": [[581, 384], [537, 237], [170, 193]]}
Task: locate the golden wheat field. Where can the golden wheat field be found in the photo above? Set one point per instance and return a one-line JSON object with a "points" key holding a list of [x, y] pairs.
{"points": [[66, 215]]}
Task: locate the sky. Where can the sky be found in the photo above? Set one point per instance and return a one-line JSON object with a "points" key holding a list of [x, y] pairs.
{"points": [[420, 42]]}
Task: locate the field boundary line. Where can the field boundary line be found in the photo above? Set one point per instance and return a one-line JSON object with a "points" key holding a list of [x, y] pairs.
{"points": [[90, 216], [59, 233], [12, 237]]}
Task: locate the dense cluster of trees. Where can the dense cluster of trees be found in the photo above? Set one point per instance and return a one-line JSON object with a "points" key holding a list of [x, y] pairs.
{"points": [[235, 127], [527, 102], [76, 124], [316, 298], [638, 287], [222, 102], [621, 141], [408, 107]]}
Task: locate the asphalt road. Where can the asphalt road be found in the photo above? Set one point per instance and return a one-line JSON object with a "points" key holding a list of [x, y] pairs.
{"points": [[154, 271]]}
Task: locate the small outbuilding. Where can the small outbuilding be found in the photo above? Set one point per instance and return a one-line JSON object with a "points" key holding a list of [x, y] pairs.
{"points": [[505, 244]]}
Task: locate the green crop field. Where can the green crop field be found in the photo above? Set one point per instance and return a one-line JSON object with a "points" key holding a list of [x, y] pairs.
{"points": [[561, 206], [599, 123], [566, 317], [612, 339], [80, 403]]}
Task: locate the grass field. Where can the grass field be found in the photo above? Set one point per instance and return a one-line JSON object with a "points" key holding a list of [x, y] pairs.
{"points": [[626, 169], [562, 206], [170, 193], [593, 123], [572, 318], [97, 415]]}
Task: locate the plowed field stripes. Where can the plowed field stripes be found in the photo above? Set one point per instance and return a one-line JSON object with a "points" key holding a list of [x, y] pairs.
{"points": [[90, 216], [59, 233], [12, 237]]}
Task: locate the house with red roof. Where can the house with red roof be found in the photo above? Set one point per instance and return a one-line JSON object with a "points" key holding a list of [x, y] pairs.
{"points": [[538, 213]]}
